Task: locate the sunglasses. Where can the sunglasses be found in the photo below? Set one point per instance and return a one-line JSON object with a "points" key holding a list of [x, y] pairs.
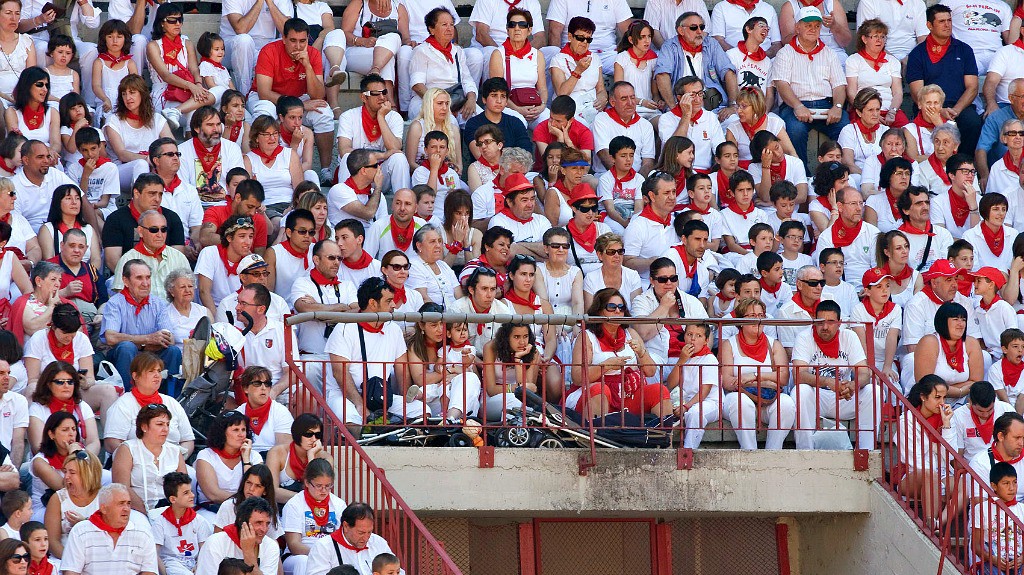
{"points": [[586, 39], [618, 252], [399, 267], [519, 24], [157, 407], [695, 27], [41, 84], [261, 383], [814, 283], [375, 165], [332, 258], [524, 258], [312, 434], [257, 274], [172, 20], [12, 194], [156, 229], [304, 232], [615, 306], [1012, 133], [63, 382], [558, 246], [666, 279], [586, 209], [171, 154], [376, 93], [19, 557]]}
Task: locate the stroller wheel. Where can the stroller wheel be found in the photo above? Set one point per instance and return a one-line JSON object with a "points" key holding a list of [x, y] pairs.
{"points": [[459, 439], [516, 436], [548, 442]]}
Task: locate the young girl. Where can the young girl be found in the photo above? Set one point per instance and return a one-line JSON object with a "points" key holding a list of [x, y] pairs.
{"points": [[727, 155], [63, 80], [236, 129], [37, 540], [551, 167], [724, 301], [458, 352], [113, 63], [215, 77], [677, 159], [74, 115]]}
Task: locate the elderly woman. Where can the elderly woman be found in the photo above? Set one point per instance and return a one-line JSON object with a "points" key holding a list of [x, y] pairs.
{"points": [[287, 462], [617, 365], [30, 115], [133, 127], [557, 198], [75, 501], [931, 171], [66, 213], [256, 482], [929, 116], [434, 114], [430, 275], [948, 353], [872, 67], [610, 250], [366, 43], [19, 53], [880, 210], [511, 364], [1004, 175], [60, 438], [894, 145], [523, 67], [183, 312], [32, 311], [861, 138], [217, 265], [441, 63], [59, 389], [451, 389], [141, 463], [753, 114], [220, 466], [635, 64], [755, 368], [576, 72], [174, 66]]}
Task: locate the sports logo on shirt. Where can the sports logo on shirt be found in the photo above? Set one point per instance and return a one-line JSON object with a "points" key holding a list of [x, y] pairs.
{"points": [[269, 342], [185, 548]]}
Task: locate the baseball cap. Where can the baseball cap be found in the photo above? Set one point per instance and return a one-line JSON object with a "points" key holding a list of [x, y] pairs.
{"points": [[945, 268], [251, 262], [517, 182], [874, 276], [809, 14], [581, 192], [993, 274]]}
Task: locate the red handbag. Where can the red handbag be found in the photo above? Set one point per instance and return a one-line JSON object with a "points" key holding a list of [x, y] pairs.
{"points": [[520, 96], [176, 94]]}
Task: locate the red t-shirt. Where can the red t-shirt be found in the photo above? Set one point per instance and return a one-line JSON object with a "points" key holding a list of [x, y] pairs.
{"points": [[578, 133], [217, 215], [289, 76]]}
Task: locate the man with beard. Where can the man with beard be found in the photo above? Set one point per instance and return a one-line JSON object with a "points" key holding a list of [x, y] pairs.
{"points": [[374, 126], [206, 158]]}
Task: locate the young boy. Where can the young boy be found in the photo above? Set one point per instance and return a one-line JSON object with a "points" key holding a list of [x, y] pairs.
{"points": [[993, 537], [694, 383], [1004, 375], [791, 241], [619, 187], [235, 176], [762, 240], [783, 195], [961, 253], [425, 197], [727, 154], [702, 198], [37, 540], [832, 264], [494, 92], [740, 215], [386, 564], [774, 289], [17, 508], [973, 421], [993, 314], [178, 531], [436, 171], [97, 175]]}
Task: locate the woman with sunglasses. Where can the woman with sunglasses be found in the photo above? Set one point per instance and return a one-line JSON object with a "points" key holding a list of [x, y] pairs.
{"points": [[269, 420], [255, 482], [30, 115], [132, 127], [75, 501], [119, 424], [429, 274], [309, 518], [522, 66], [59, 390], [617, 364], [445, 388], [610, 250], [558, 281], [18, 50], [220, 466], [141, 463], [60, 439], [217, 265], [287, 462], [66, 207], [948, 353], [177, 84], [14, 557], [635, 64], [395, 267], [511, 365], [584, 229], [576, 72], [754, 116], [557, 198]]}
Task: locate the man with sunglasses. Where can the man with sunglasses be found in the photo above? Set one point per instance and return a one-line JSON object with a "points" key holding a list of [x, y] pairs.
{"points": [[252, 269], [940, 286], [691, 53], [809, 283], [179, 195], [289, 260], [35, 182], [376, 126], [852, 235], [321, 290], [664, 300], [360, 196], [265, 342], [152, 250], [121, 233], [956, 209], [990, 145]]}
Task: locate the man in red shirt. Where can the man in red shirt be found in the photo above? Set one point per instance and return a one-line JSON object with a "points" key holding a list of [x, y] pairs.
{"points": [[291, 67], [247, 201], [561, 127]]}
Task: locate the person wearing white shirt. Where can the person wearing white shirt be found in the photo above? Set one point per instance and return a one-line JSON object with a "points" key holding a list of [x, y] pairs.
{"points": [[310, 518], [992, 314], [872, 67], [489, 25], [245, 539], [690, 119], [809, 283], [664, 300], [412, 14], [621, 119], [265, 344], [973, 421], [992, 238], [207, 156], [34, 183], [695, 383], [956, 208], [885, 317], [753, 66], [919, 314], [374, 126], [650, 233], [609, 17], [180, 195], [481, 287], [862, 138], [359, 196], [13, 415], [140, 16], [728, 18], [440, 62], [689, 257], [321, 291], [108, 542], [437, 171], [1005, 447], [518, 216], [984, 25], [1006, 66], [269, 421], [1004, 174], [290, 260], [395, 232], [354, 544], [905, 19], [357, 264], [854, 237]]}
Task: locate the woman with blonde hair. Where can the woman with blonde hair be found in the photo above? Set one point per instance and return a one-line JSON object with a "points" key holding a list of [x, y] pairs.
{"points": [[754, 116], [435, 114], [76, 501]]}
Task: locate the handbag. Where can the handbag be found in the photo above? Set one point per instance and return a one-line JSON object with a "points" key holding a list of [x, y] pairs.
{"points": [[456, 92], [378, 28], [520, 96], [176, 94], [375, 389]]}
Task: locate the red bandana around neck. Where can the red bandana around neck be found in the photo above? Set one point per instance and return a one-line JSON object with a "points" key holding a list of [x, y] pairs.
{"points": [[935, 50], [520, 53], [208, 159], [142, 249], [296, 463], [258, 416], [689, 268], [533, 303], [901, 277], [97, 520], [648, 213], [843, 235], [612, 342], [756, 55], [959, 208], [371, 125], [508, 213], [875, 62], [887, 308], [584, 239], [217, 65], [232, 532], [935, 421], [810, 55], [229, 266], [114, 60], [907, 228], [339, 538], [172, 48], [747, 5], [893, 209], [187, 517], [33, 116], [777, 171], [829, 348], [575, 57], [360, 264], [725, 195], [870, 133], [225, 455], [446, 50], [736, 209], [297, 254], [1010, 165], [322, 280], [144, 400], [799, 301], [287, 137], [1011, 371], [138, 305], [270, 158], [10, 170], [65, 353], [648, 55], [618, 120], [927, 290], [955, 356], [400, 297], [770, 289], [235, 131], [359, 191], [321, 509], [987, 307], [402, 237], [757, 350], [994, 239], [939, 169], [371, 328], [751, 129], [691, 50], [43, 567], [920, 122]]}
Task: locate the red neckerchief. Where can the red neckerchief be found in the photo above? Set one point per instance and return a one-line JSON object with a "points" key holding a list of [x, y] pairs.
{"points": [[799, 301], [492, 167], [958, 206], [702, 211], [899, 278], [690, 269], [1011, 371], [56, 461], [935, 421], [984, 307], [964, 286], [235, 130], [869, 133], [44, 567], [955, 357], [825, 202], [512, 4], [142, 249], [187, 517], [613, 343], [135, 211], [584, 239], [907, 228], [360, 264], [618, 186], [232, 532], [618, 120], [304, 256], [939, 169], [756, 56], [480, 326], [114, 60], [371, 125], [648, 55], [920, 122], [1000, 459], [225, 455], [734, 208], [936, 51], [371, 329], [171, 50], [648, 213], [747, 5], [994, 240], [97, 520], [138, 305], [207, 158], [65, 353], [515, 218], [887, 307], [33, 117], [896, 215], [810, 55], [770, 289], [829, 348], [1019, 11], [268, 158], [725, 195], [750, 130], [575, 57], [691, 50], [229, 266], [258, 416], [681, 185], [7, 168], [359, 191], [876, 62], [145, 400], [400, 297], [757, 350], [71, 407], [217, 65], [137, 118], [287, 137], [321, 509], [777, 171], [843, 236], [703, 351], [1008, 162], [63, 228], [533, 302], [927, 290], [297, 465], [520, 53], [446, 51], [339, 538], [322, 280]]}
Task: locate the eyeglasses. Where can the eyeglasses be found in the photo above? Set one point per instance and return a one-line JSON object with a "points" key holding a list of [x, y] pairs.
{"points": [[19, 557], [853, 203], [170, 154], [157, 229], [586, 39], [518, 24], [246, 303], [375, 165], [1012, 133], [257, 274], [666, 279], [590, 208], [311, 434], [484, 142], [41, 84], [304, 232], [814, 283], [270, 134], [967, 171], [618, 252], [319, 486], [615, 306], [261, 383], [558, 246], [376, 93], [12, 194], [172, 20], [63, 382], [698, 93], [877, 36], [399, 267], [695, 27]]}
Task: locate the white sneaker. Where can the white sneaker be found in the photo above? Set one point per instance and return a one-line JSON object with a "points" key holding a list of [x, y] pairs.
{"points": [[173, 117]]}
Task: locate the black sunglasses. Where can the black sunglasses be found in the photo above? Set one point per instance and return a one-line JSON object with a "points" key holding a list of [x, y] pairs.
{"points": [[19, 557], [312, 434], [666, 279], [157, 229], [261, 382], [695, 27], [814, 283], [400, 267], [587, 39], [615, 306], [586, 209], [558, 246], [518, 24]]}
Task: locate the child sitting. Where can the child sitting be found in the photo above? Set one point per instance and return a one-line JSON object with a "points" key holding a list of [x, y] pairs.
{"points": [[178, 531], [774, 290], [791, 241], [992, 313], [723, 301], [619, 187], [215, 77], [993, 536], [489, 142], [832, 264], [17, 508], [694, 382], [74, 115], [1004, 375], [96, 175], [783, 195], [740, 215], [762, 240], [436, 170], [386, 564], [37, 540], [702, 198], [112, 65], [425, 196], [727, 155], [63, 80]]}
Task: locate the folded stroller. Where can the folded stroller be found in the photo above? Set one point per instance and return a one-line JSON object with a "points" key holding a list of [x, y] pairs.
{"points": [[203, 397]]}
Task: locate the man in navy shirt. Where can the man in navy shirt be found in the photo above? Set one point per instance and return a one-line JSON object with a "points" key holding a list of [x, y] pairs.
{"points": [[495, 94], [950, 63]]}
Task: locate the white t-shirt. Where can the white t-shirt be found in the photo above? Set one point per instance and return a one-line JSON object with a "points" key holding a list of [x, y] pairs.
{"points": [[90, 551], [279, 420], [706, 133], [859, 256], [38, 347], [727, 22], [382, 349], [209, 265], [880, 333], [750, 73], [631, 282], [605, 14], [1008, 62], [13, 415], [967, 436], [119, 422], [297, 517], [228, 478], [532, 231], [646, 238], [219, 546], [267, 349], [341, 195], [440, 286], [641, 132], [996, 377], [183, 549], [350, 125], [646, 302], [311, 333], [981, 24], [851, 352], [867, 77]]}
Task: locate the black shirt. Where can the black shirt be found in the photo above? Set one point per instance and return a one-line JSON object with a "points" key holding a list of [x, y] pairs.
{"points": [[512, 128]]}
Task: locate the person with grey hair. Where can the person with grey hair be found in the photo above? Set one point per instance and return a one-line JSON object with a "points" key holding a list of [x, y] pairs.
{"points": [[851, 235], [429, 274], [809, 282], [32, 311], [80, 278], [152, 250], [1003, 176], [183, 313], [511, 161], [361, 195], [989, 147], [109, 542], [931, 172]]}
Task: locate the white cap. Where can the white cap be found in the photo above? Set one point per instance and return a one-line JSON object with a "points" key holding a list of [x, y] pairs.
{"points": [[251, 261], [808, 14]]}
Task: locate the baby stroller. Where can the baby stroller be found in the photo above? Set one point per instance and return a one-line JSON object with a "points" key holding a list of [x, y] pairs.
{"points": [[203, 397]]}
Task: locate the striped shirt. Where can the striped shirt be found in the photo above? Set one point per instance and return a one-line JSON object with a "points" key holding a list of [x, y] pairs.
{"points": [[805, 75], [91, 551]]}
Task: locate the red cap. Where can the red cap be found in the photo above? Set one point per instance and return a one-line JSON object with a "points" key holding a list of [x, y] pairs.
{"points": [[993, 274], [945, 268], [874, 276], [516, 183], [582, 191]]}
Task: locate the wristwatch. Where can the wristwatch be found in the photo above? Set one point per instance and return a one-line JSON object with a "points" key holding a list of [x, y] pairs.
{"points": [[840, 106]]}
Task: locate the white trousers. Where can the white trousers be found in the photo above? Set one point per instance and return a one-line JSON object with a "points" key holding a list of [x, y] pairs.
{"points": [[696, 419], [360, 59], [395, 168], [779, 416], [463, 394], [321, 120], [815, 403], [241, 52], [500, 403]]}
